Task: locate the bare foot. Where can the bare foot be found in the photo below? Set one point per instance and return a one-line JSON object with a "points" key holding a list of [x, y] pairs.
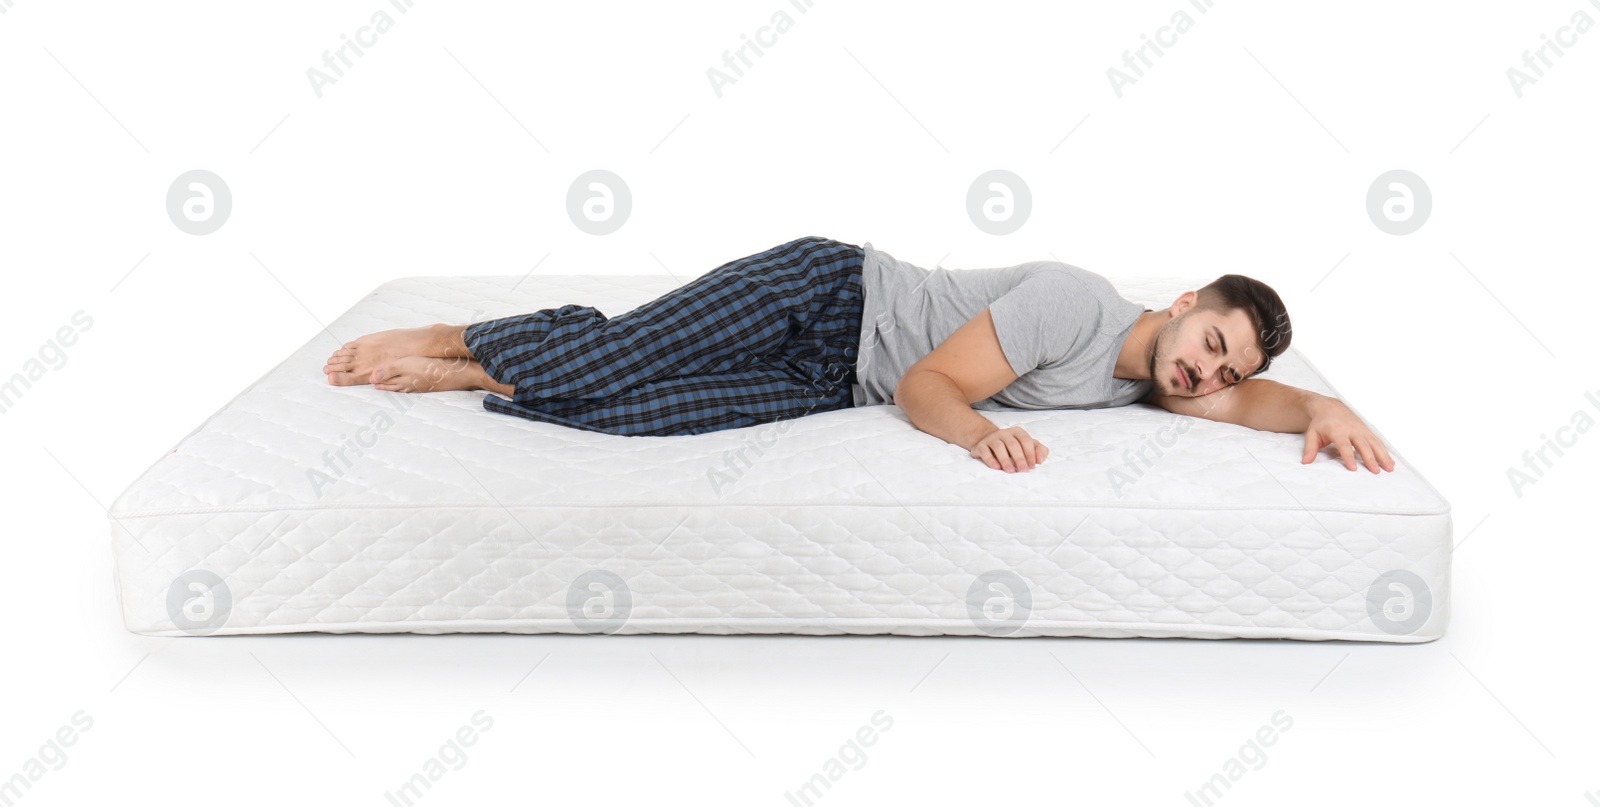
{"points": [[353, 364], [429, 374]]}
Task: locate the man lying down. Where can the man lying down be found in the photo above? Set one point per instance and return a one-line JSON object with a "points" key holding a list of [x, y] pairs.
{"points": [[816, 325]]}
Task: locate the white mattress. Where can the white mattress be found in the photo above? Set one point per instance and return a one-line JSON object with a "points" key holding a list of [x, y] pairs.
{"points": [[444, 517]]}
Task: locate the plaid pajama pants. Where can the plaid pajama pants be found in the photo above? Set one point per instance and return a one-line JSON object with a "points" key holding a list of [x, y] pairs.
{"points": [[764, 338]]}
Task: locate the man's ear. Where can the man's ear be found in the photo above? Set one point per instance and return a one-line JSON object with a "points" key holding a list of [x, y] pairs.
{"points": [[1184, 302]]}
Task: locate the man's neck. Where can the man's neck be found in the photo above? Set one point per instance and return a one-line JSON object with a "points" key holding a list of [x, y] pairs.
{"points": [[1133, 360]]}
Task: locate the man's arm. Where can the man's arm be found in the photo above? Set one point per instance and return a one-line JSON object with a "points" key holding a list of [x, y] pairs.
{"points": [[938, 391], [1266, 405]]}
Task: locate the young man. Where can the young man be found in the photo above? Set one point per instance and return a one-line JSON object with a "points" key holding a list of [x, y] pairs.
{"points": [[816, 325]]}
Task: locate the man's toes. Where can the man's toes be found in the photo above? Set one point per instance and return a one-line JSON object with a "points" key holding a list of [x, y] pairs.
{"points": [[390, 380], [386, 376], [339, 379]]}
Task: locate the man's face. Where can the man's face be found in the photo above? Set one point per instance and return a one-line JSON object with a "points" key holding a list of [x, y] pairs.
{"points": [[1198, 352]]}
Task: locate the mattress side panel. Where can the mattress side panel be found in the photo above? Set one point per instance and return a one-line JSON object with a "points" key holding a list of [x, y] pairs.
{"points": [[1003, 572]]}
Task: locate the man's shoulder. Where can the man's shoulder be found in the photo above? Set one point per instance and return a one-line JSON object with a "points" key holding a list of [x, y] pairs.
{"points": [[1073, 273], [1076, 287]]}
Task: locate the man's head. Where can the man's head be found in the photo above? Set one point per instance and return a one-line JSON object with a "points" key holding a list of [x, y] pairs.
{"points": [[1220, 335]]}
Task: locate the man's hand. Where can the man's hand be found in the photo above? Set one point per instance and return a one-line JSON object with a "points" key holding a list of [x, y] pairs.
{"points": [[1266, 405], [1011, 449], [1333, 422]]}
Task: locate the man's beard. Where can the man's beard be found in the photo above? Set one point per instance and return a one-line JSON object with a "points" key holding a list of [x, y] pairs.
{"points": [[1156, 356]]}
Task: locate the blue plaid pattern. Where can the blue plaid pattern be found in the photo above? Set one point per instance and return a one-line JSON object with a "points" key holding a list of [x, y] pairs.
{"points": [[764, 338]]}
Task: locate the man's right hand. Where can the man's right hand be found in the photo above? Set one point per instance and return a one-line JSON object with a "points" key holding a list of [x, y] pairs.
{"points": [[1011, 449]]}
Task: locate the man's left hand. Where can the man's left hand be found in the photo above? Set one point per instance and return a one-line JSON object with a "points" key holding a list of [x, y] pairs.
{"points": [[1333, 422]]}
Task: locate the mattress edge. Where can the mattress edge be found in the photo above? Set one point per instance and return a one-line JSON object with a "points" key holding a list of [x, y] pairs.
{"points": [[745, 626], [115, 515], [1443, 502]]}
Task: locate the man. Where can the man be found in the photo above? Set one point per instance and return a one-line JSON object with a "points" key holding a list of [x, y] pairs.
{"points": [[817, 325]]}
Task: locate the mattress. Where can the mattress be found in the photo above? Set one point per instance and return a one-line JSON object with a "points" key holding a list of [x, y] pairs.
{"points": [[300, 506]]}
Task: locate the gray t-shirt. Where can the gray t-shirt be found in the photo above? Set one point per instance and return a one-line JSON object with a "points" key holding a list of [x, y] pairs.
{"points": [[1060, 327]]}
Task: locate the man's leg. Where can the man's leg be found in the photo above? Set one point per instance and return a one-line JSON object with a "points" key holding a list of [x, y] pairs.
{"points": [[689, 405], [735, 316], [811, 371]]}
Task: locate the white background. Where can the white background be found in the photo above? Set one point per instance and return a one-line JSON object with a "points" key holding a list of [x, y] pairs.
{"points": [[448, 149]]}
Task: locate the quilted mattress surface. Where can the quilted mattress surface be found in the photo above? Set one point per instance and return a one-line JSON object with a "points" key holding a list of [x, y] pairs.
{"points": [[306, 507]]}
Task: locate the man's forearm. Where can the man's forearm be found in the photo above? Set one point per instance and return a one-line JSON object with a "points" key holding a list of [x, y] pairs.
{"points": [[935, 405], [1266, 405]]}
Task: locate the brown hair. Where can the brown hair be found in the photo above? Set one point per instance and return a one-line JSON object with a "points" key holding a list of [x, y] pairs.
{"points": [[1265, 308]]}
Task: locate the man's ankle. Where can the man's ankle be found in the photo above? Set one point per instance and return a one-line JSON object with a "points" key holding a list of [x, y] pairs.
{"points": [[449, 341], [482, 380]]}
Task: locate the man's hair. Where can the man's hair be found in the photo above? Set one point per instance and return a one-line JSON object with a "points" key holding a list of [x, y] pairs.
{"points": [[1265, 308]]}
